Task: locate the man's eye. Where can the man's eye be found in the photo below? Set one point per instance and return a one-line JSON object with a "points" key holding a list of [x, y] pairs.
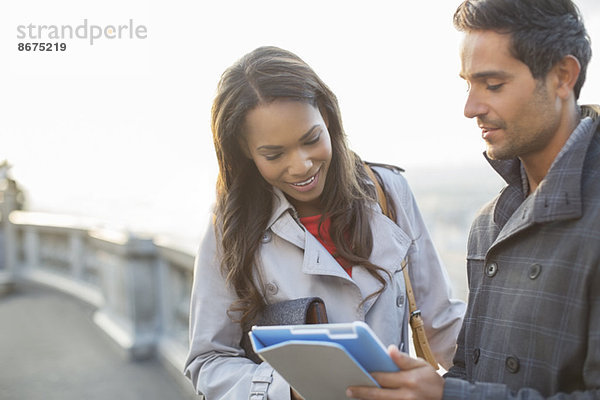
{"points": [[495, 87]]}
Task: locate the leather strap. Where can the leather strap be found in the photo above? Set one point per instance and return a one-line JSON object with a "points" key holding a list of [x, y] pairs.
{"points": [[417, 325], [381, 199], [316, 313], [420, 341], [412, 304]]}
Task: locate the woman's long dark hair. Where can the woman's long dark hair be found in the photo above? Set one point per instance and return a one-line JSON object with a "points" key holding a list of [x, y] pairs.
{"points": [[245, 199]]}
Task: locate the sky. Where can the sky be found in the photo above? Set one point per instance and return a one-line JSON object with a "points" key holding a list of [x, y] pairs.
{"points": [[119, 128]]}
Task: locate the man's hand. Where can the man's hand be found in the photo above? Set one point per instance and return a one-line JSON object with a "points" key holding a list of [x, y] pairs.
{"points": [[415, 380], [295, 395]]}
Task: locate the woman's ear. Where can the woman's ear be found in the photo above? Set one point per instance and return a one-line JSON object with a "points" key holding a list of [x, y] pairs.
{"points": [[567, 71]]}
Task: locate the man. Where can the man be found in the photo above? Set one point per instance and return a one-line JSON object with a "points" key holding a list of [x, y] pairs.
{"points": [[532, 327]]}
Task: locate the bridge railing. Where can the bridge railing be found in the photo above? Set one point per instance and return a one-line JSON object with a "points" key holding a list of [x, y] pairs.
{"points": [[139, 285]]}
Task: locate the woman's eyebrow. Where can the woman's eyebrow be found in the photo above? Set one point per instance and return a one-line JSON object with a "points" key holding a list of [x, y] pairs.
{"points": [[307, 134], [302, 138]]}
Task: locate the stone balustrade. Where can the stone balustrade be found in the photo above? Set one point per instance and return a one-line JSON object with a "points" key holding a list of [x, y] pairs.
{"points": [[139, 285]]}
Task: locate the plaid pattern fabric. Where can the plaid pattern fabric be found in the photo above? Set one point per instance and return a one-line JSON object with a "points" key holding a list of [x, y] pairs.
{"points": [[532, 327]]}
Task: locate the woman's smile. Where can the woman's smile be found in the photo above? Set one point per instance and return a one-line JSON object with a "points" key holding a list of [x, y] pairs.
{"points": [[308, 184], [290, 145]]}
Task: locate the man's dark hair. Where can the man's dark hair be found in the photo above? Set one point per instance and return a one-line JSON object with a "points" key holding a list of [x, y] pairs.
{"points": [[542, 31]]}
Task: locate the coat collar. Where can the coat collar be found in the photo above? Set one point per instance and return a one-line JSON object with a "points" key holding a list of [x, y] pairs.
{"points": [[390, 245], [558, 197], [280, 205], [283, 221]]}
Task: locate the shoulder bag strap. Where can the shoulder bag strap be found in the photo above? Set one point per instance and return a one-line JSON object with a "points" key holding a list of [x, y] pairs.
{"points": [[420, 341]]}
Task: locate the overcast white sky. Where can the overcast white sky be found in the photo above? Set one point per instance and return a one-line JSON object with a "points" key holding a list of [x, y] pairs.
{"points": [[120, 129]]}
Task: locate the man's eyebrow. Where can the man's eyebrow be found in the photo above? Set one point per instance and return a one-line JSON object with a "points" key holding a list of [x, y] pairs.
{"points": [[485, 75], [302, 138]]}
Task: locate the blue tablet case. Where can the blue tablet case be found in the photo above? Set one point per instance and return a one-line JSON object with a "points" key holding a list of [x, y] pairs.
{"points": [[321, 361]]}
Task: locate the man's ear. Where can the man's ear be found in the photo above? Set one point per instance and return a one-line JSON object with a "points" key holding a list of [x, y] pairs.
{"points": [[567, 71]]}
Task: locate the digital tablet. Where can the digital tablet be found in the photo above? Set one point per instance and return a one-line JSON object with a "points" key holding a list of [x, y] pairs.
{"points": [[321, 361]]}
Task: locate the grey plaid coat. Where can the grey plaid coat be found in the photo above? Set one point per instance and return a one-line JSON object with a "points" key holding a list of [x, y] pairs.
{"points": [[532, 327]]}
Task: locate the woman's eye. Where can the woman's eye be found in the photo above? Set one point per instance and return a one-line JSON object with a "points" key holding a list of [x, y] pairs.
{"points": [[313, 141], [272, 157]]}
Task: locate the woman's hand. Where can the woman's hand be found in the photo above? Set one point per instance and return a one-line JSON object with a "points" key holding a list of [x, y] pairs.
{"points": [[415, 380]]}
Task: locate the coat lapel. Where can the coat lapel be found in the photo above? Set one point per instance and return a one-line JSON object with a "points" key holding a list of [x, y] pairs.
{"points": [[390, 246], [282, 223], [557, 198], [318, 261]]}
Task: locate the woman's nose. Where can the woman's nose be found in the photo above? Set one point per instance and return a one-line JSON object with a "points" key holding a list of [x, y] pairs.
{"points": [[300, 164]]}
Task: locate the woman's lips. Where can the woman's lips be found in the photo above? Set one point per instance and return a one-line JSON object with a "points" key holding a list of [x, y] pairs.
{"points": [[308, 184]]}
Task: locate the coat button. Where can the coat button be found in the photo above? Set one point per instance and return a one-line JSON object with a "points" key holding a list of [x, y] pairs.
{"points": [[491, 269], [400, 301], [476, 354], [271, 288], [267, 236], [534, 271], [512, 364]]}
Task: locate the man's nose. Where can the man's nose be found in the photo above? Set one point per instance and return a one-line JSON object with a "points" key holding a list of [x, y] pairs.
{"points": [[474, 107]]}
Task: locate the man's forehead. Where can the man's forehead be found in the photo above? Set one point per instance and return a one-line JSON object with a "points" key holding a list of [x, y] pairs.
{"points": [[485, 54]]}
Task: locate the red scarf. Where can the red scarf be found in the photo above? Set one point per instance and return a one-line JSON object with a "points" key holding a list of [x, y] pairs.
{"points": [[312, 225]]}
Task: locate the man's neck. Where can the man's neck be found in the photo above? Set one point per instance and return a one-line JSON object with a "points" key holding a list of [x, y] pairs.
{"points": [[538, 164]]}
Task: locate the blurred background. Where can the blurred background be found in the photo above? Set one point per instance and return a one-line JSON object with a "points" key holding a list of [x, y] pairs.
{"points": [[119, 130], [116, 134]]}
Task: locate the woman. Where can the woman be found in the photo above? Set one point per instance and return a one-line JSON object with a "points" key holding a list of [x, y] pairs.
{"points": [[297, 216]]}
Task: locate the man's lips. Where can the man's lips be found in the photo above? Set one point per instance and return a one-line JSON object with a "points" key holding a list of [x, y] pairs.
{"points": [[487, 131]]}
